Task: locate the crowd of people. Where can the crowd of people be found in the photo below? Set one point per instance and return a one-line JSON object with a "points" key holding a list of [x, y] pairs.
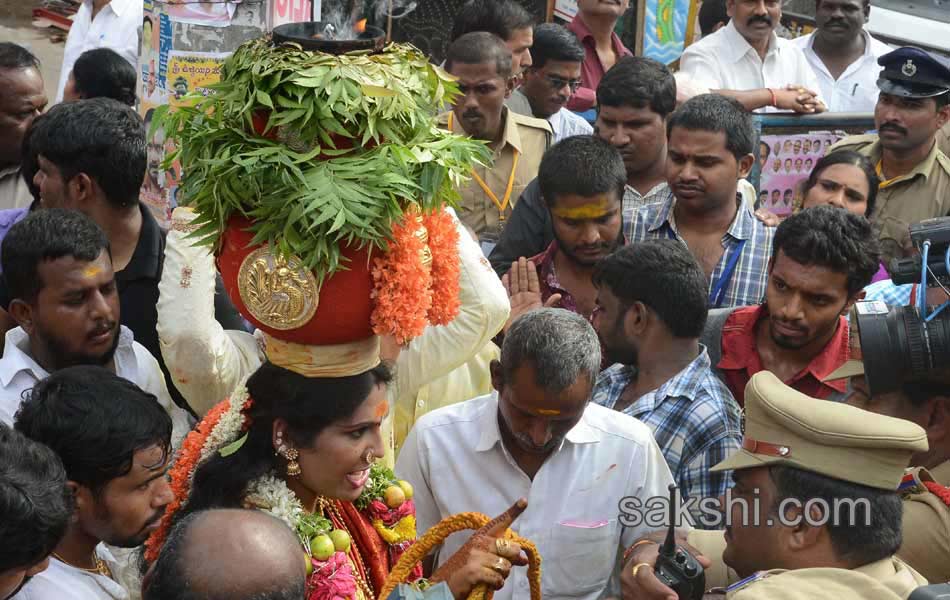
{"points": [[631, 318]]}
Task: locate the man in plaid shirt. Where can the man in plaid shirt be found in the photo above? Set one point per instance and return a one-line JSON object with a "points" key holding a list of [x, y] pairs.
{"points": [[650, 312], [710, 144]]}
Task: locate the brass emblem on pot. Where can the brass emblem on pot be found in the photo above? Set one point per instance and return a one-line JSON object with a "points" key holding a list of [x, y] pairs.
{"points": [[278, 292]]}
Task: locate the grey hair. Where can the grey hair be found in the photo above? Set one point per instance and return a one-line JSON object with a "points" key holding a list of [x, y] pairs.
{"points": [[559, 344]]}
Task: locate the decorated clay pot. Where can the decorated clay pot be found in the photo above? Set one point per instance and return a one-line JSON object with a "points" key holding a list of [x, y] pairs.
{"points": [[283, 299]]}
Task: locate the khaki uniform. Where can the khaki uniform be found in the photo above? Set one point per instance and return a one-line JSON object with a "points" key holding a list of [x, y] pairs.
{"points": [[926, 544], [526, 136], [926, 534], [785, 427], [943, 139], [887, 579], [924, 193], [14, 192]]}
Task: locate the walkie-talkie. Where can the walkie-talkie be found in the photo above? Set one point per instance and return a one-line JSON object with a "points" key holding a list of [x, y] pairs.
{"points": [[676, 567]]}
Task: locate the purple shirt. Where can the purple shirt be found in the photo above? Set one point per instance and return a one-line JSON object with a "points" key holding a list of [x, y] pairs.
{"points": [[9, 218]]}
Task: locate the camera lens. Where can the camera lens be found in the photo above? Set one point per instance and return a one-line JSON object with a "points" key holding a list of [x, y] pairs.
{"points": [[899, 346]]}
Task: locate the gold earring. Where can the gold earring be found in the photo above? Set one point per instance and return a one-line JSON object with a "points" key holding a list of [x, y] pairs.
{"points": [[293, 467]]}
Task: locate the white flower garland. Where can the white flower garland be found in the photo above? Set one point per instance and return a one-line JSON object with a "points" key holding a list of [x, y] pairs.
{"points": [[270, 494], [229, 426]]}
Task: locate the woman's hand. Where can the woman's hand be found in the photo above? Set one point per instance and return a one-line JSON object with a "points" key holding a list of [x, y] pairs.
{"points": [[486, 558]]}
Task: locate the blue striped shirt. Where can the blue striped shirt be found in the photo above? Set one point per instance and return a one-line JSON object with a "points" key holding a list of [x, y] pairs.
{"points": [[694, 419], [746, 285]]}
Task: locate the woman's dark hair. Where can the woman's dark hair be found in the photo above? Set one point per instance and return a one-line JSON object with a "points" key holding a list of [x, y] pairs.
{"points": [[308, 405], [34, 500], [103, 73], [846, 157]]}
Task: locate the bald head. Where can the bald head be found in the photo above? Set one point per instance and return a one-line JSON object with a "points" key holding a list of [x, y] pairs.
{"points": [[227, 554]]}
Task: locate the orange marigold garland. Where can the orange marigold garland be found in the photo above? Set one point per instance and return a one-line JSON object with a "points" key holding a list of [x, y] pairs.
{"points": [[194, 448], [443, 243], [402, 284]]}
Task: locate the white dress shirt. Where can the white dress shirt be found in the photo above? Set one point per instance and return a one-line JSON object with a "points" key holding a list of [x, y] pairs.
{"points": [[14, 192], [725, 61], [566, 124], [19, 373], [116, 26], [456, 462], [61, 581], [442, 366], [856, 90]]}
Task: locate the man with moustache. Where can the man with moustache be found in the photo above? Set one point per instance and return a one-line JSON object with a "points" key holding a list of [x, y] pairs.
{"points": [[21, 99], [538, 436], [822, 259], [747, 61], [513, 24], [551, 79], [58, 268], [711, 142], [582, 180], [843, 55], [651, 309], [635, 98], [594, 26], [115, 443], [36, 508], [915, 175], [482, 64]]}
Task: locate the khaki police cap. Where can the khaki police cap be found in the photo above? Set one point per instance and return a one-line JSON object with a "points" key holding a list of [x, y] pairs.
{"points": [[785, 427]]}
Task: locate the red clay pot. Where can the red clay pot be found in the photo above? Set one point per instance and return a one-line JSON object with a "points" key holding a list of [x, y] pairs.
{"points": [[344, 308]]}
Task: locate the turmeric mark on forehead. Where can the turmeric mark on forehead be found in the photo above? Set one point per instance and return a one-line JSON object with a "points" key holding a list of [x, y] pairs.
{"points": [[547, 412]]}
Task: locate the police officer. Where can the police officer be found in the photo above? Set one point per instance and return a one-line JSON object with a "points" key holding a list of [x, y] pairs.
{"points": [[914, 104], [791, 528], [482, 64], [925, 400]]}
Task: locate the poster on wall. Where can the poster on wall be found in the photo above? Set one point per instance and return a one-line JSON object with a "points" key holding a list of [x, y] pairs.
{"points": [[565, 9], [192, 72], [212, 14], [667, 25], [292, 11], [785, 161]]}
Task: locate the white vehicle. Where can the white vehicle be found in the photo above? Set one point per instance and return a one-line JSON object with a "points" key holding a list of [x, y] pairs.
{"points": [[921, 23]]}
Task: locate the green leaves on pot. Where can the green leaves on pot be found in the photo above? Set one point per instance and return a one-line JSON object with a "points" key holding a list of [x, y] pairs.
{"points": [[319, 150]]}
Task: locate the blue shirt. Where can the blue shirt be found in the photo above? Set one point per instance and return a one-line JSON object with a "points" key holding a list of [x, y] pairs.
{"points": [[694, 418], [747, 236]]}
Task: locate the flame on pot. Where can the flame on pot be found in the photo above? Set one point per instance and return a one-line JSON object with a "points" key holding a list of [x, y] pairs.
{"points": [[360, 26]]}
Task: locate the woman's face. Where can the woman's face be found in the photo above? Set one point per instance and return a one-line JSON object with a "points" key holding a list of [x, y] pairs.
{"points": [[335, 465], [841, 185]]}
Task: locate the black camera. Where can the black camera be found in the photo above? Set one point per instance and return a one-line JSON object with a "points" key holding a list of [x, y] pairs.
{"points": [[906, 343]]}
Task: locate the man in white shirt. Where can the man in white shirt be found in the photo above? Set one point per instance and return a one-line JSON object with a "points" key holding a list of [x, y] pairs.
{"points": [[22, 99], [745, 60], [539, 437], [58, 268], [554, 75], [102, 24], [115, 444], [844, 56]]}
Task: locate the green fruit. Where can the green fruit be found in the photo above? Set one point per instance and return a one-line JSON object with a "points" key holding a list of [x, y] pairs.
{"points": [[341, 540], [406, 488], [309, 562], [322, 547]]}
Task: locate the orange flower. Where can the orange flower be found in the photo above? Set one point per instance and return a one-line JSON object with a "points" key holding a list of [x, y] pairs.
{"points": [[443, 243], [402, 284], [180, 476]]}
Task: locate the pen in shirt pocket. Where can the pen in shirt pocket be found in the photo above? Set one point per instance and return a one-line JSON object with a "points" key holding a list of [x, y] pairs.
{"points": [[854, 89]]}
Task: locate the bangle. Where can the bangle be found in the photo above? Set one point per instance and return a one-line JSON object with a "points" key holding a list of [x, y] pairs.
{"points": [[774, 100], [629, 551]]}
